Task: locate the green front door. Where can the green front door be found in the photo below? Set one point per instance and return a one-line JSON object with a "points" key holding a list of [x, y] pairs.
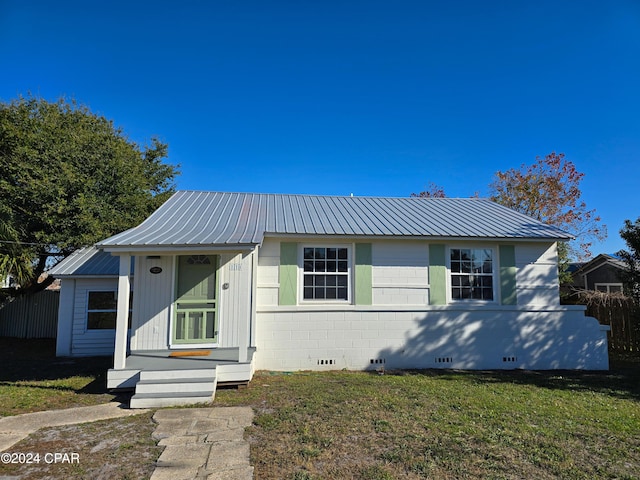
{"points": [[196, 316]]}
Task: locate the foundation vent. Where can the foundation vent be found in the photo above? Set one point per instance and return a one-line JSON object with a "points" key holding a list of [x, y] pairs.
{"points": [[444, 360], [327, 362], [377, 361], [509, 359]]}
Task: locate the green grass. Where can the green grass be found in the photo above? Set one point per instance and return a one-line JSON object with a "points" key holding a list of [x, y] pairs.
{"points": [[443, 424], [33, 379]]}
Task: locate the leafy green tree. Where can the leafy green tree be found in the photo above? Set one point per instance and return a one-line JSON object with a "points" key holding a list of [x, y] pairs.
{"points": [[630, 233], [549, 191], [68, 178]]}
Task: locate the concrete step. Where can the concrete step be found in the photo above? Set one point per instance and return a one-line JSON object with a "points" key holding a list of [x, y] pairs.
{"points": [[158, 400], [165, 388], [171, 385]]}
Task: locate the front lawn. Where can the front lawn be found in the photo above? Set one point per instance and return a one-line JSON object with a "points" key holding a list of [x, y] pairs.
{"points": [[443, 424], [400, 425]]}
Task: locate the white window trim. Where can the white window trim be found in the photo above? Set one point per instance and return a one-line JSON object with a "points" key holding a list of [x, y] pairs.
{"points": [[89, 290], [350, 249], [495, 277], [94, 310], [608, 285]]}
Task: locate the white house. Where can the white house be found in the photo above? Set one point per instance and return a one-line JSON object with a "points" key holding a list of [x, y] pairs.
{"points": [[226, 283]]}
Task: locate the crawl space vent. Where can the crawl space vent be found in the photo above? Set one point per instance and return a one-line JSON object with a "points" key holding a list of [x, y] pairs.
{"points": [[327, 362], [509, 359], [444, 360]]}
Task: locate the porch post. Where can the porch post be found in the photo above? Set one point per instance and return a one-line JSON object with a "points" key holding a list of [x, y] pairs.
{"points": [[245, 320], [122, 317]]}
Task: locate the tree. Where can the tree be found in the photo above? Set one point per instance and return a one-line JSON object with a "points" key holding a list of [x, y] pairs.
{"points": [[432, 191], [68, 178], [630, 233], [549, 191]]}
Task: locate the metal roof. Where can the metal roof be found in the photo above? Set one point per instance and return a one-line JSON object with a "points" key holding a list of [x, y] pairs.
{"points": [[193, 218], [87, 262]]}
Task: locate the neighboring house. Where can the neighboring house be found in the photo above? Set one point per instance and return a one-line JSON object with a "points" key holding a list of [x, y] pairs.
{"points": [[237, 282], [602, 273]]}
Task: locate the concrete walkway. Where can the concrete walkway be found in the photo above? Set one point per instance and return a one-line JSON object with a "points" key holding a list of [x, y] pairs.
{"points": [[15, 428], [203, 443], [200, 443]]}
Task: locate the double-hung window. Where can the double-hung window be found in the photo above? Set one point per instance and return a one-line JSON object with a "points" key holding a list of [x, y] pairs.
{"points": [[325, 273], [472, 272], [102, 308]]}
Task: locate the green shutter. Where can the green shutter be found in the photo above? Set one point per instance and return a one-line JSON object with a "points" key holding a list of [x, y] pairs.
{"points": [[437, 275], [363, 291], [287, 294], [508, 275]]}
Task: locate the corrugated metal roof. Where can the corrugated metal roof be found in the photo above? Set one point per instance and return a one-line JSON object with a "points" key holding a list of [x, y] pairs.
{"points": [[87, 262], [191, 218]]}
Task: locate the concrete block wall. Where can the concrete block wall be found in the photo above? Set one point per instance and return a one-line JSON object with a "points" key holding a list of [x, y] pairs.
{"points": [[446, 337]]}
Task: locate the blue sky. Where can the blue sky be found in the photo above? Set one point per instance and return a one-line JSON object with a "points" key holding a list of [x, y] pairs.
{"points": [[339, 97]]}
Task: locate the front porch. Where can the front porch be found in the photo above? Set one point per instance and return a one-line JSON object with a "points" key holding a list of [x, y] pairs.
{"points": [[160, 378]]}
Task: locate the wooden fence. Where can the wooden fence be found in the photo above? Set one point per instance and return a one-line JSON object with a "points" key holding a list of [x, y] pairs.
{"points": [[31, 316], [619, 312]]}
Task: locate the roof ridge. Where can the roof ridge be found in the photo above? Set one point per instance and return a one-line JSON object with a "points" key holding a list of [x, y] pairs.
{"points": [[320, 195]]}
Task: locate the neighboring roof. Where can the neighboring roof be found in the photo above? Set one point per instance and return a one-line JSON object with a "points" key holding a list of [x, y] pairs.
{"points": [[87, 262], [598, 261], [191, 218]]}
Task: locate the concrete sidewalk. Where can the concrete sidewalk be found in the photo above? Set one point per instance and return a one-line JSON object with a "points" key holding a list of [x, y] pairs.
{"points": [[15, 428], [203, 443]]}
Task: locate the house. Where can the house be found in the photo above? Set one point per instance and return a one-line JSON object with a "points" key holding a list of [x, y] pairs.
{"points": [[601, 273], [223, 284]]}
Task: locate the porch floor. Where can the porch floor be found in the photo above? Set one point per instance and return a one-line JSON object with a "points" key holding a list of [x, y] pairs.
{"points": [[151, 360]]}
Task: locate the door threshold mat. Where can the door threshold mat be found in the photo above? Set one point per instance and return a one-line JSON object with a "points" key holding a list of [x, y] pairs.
{"points": [[191, 353]]}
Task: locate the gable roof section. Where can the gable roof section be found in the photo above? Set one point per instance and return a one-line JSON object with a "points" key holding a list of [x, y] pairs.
{"points": [[192, 218]]}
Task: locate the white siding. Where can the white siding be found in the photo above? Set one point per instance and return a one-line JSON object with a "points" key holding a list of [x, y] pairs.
{"points": [[400, 273], [152, 298], [268, 272], [235, 301], [90, 342], [154, 294], [537, 274]]}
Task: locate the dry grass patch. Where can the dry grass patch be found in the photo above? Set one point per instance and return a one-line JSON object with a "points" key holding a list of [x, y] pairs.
{"points": [[116, 449], [434, 424]]}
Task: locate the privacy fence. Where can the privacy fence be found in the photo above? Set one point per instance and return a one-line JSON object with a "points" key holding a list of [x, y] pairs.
{"points": [[618, 311], [31, 316]]}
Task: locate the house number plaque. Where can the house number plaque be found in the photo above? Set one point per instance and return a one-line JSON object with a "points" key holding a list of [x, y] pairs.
{"points": [[155, 270]]}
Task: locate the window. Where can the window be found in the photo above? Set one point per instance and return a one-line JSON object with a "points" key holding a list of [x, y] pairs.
{"points": [[472, 274], [199, 260], [609, 287], [102, 308], [325, 273]]}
